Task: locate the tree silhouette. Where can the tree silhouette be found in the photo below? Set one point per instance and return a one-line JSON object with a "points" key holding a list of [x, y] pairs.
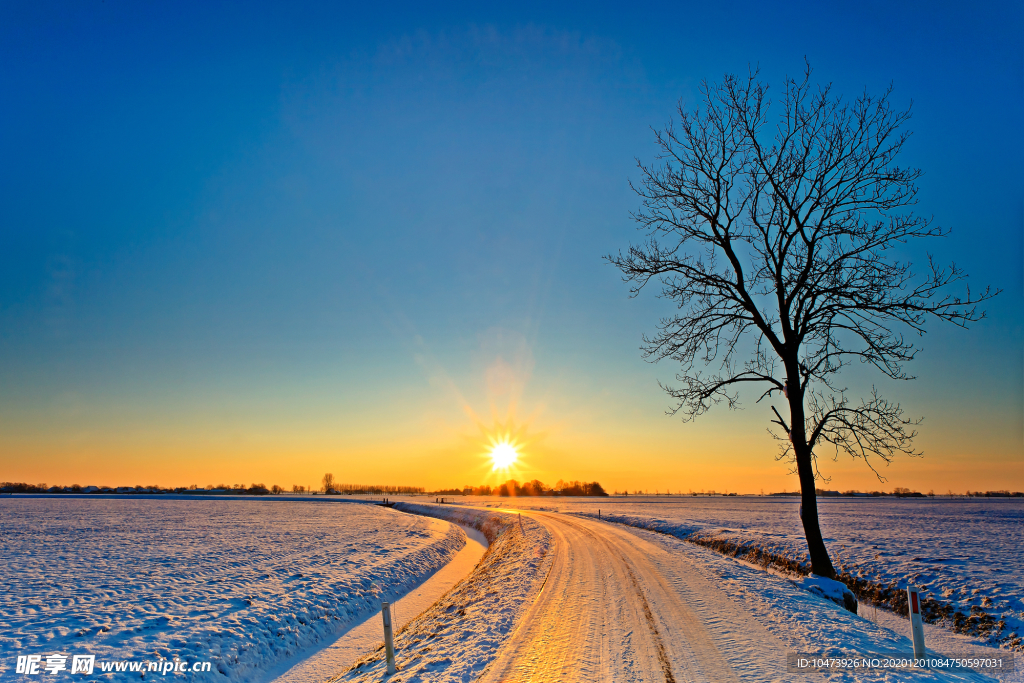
{"points": [[772, 227]]}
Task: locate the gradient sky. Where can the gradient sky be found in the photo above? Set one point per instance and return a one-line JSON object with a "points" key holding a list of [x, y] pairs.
{"points": [[257, 242]]}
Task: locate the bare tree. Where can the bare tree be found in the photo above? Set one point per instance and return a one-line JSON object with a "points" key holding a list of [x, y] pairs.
{"points": [[328, 482], [772, 227]]}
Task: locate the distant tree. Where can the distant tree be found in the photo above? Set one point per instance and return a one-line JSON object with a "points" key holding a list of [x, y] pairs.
{"points": [[777, 245], [509, 488], [570, 488], [328, 482], [276, 489], [534, 488]]}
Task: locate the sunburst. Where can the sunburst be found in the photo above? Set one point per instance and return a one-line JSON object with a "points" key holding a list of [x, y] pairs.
{"points": [[504, 447], [503, 455]]}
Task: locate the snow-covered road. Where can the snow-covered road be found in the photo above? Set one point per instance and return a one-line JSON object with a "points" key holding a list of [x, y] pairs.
{"points": [[615, 607], [569, 598]]}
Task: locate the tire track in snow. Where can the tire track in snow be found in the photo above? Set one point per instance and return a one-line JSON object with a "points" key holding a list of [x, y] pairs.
{"points": [[696, 656], [666, 667]]}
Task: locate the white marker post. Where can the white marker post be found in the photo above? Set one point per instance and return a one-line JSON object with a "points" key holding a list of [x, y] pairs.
{"points": [[916, 627], [389, 637]]}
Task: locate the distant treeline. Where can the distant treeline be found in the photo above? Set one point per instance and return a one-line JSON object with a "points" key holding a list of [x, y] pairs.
{"points": [[374, 489], [256, 489], [530, 488], [509, 488], [995, 494], [900, 492], [238, 489]]}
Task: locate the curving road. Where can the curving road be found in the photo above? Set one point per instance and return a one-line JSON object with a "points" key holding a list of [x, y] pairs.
{"points": [[616, 607]]}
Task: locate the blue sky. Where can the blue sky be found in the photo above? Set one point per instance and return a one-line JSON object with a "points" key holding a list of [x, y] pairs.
{"points": [[262, 240]]}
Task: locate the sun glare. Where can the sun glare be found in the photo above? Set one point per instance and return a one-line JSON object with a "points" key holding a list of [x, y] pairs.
{"points": [[503, 455]]}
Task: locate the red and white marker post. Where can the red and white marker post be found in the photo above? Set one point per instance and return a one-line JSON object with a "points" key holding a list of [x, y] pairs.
{"points": [[916, 626]]}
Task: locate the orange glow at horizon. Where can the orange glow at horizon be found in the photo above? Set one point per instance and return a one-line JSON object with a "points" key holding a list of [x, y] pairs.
{"points": [[480, 426]]}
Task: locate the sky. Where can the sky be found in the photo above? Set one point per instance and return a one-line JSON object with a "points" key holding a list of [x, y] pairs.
{"points": [[260, 242]]}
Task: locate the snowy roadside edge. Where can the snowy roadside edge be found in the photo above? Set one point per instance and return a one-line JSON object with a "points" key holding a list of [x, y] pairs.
{"points": [[319, 622], [457, 637], [490, 524], [751, 548]]}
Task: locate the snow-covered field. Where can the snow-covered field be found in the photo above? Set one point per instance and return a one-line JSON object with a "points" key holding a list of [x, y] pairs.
{"points": [[241, 583], [965, 553]]}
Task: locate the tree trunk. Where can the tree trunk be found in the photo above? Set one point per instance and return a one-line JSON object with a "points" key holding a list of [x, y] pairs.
{"points": [[821, 564]]}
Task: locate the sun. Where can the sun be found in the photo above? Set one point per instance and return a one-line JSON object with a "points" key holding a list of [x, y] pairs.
{"points": [[503, 455], [505, 447]]}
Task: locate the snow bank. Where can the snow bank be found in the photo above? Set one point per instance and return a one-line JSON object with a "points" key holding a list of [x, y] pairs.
{"points": [[805, 623], [457, 637], [677, 528], [883, 584], [490, 524], [243, 584], [829, 589]]}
